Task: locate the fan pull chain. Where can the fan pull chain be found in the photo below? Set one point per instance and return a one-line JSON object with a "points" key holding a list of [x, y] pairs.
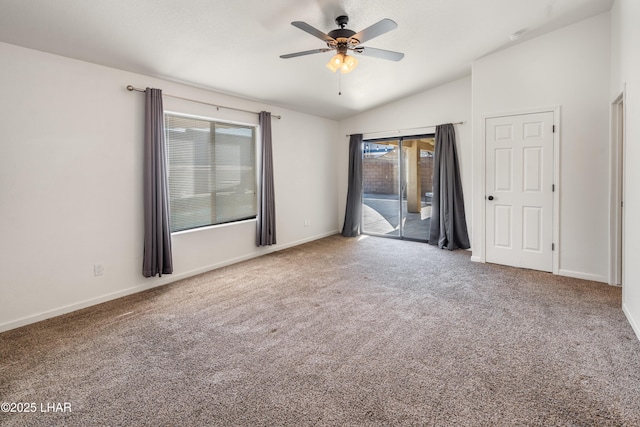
{"points": [[339, 82]]}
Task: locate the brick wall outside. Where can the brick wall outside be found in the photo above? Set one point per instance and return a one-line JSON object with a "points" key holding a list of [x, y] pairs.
{"points": [[426, 174], [380, 174]]}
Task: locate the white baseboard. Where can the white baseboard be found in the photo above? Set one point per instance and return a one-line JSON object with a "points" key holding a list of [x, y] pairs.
{"points": [[476, 259], [27, 320], [302, 241], [583, 276], [631, 320]]}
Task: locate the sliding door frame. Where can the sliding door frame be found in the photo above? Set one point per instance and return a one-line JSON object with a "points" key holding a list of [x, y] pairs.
{"points": [[401, 184]]}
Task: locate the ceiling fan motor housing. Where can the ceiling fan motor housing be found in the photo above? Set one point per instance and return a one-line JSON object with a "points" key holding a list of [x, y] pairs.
{"points": [[341, 33], [342, 36]]}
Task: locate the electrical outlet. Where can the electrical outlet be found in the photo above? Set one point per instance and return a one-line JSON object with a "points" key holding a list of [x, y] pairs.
{"points": [[307, 222], [98, 269]]}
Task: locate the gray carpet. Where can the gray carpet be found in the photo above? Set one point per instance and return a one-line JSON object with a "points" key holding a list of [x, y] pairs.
{"points": [[343, 332]]}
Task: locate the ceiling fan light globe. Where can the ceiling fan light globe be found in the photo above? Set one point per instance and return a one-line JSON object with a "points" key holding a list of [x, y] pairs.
{"points": [[331, 67], [351, 61], [349, 64], [336, 62]]}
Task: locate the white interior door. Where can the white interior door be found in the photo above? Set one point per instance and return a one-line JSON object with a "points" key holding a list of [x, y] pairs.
{"points": [[617, 191], [519, 190]]}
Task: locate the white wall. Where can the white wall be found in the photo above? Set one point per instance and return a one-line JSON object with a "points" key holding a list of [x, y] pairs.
{"points": [[568, 68], [445, 104], [71, 184], [625, 71]]}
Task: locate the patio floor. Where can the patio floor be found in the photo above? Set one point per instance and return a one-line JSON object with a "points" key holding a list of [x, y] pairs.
{"points": [[381, 215]]}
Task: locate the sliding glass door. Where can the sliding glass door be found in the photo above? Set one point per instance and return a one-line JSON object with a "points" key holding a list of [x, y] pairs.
{"points": [[397, 176], [381, 188]]}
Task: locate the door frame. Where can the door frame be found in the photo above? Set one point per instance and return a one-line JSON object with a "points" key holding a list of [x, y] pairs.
{"points": [[556, 110], [617, 188], [401, 174]]}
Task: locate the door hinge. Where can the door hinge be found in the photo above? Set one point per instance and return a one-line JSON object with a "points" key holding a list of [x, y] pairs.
{"points": [[553, 129], [553, 188], [553, 246]]}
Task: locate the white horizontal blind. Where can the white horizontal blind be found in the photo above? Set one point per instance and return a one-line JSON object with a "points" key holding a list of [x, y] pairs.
{"points": [[212, 176]]}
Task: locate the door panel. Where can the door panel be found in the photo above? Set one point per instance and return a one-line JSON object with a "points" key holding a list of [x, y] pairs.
{"points": [[381, 199], [519, 178], [502, 226], [503, 169], [532, 229], [532, 177], [417, 163]]}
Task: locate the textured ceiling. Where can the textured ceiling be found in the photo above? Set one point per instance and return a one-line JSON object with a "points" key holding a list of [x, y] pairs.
{"points": [[234, 46]]}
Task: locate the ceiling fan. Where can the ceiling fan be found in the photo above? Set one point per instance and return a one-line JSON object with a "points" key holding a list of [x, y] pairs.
{"points": [[344, 41]]}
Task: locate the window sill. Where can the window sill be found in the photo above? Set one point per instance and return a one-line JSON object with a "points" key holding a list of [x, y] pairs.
{"points": [[213, 227]]}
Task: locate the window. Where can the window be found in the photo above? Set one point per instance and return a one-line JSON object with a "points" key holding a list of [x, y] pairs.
{"points": [[212, 171]]}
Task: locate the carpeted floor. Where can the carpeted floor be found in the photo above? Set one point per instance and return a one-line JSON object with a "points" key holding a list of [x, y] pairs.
{"points": [[343, 332]]}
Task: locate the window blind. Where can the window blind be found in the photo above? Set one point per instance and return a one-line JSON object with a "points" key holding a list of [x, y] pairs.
{"points": [[212, 172]]}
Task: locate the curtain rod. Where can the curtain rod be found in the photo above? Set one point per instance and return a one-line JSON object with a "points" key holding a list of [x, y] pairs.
{"points": [[131, 88], [400, 130]]}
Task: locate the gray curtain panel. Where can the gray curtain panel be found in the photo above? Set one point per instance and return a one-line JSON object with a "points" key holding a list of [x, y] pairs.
{"points": [[266, 227], [353, 212], [448, 227], [157, 259]]}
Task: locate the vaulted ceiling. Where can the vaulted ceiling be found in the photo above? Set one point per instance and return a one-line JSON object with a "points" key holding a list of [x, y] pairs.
{"points": [[233, 46]]}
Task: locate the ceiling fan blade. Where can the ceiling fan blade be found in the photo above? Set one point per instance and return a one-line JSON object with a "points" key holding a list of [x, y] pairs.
{"points": [[375, 30], [306, 52], [379, 53], [313, 31]]}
